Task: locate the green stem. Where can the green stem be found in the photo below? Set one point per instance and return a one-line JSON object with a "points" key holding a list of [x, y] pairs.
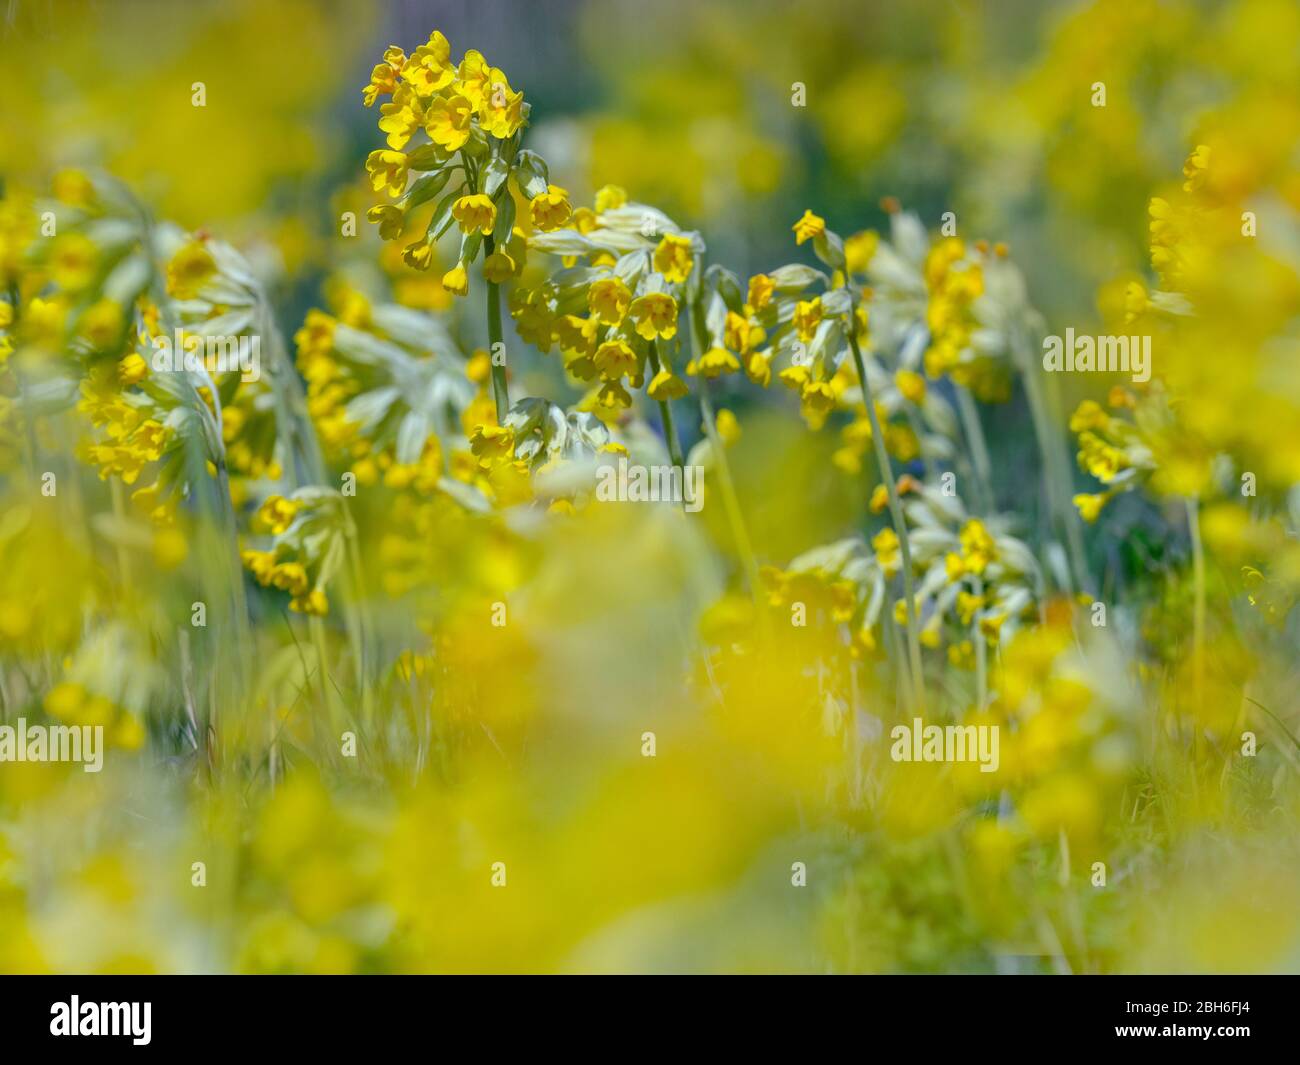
{"points": [[730, 500], [119, 512], [322, 672], [970, 419], [900, 526], [666, 413], [981, 655], [1056, 468], [500, 390], [1198, 615]]}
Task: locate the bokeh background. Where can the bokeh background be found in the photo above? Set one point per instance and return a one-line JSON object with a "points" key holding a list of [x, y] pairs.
{"points": [[532, 750]]}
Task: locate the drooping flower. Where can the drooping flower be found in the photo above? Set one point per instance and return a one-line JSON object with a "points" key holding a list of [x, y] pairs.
{"points": [[674, 258], [655, 315], [550, 210]]}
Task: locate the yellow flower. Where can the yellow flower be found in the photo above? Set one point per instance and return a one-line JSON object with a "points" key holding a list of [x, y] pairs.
{"points": [[1136, 301], [102, 323], [132, 370], [456, 280], [429, 69], [888, 551], [728, 426], [674, 258], [613, 397], [383, 78], [816, 401], [500, 112], [472, 77], [977, 546], [389, 218], [1194, 170], [387, 171], [277, 513], [911, 385], [758, 367], [401, 118], [967, 604], [608, 300], [954, 567], [610, 198], [473, 212], [807, 316], [448, 121], [808, 227], [741, 335], [860, 249], [498, 267], [259, 563], [418, 256], [761, 288], [314, 603], [1090, 506], [655, 315], [550, 210], [615, 359], [73, 261], [290, 577], [714, 363], [666, 386], [492, 443], [1089, 415], [190, 268]]}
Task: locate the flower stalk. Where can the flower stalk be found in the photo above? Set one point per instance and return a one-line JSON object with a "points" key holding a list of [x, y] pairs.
{"points": [[917, 684]]}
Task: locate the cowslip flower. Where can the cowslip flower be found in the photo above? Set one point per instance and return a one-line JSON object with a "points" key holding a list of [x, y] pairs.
{"points": [[666, 385], [189, 269], [475, 212], [389, 218], [760, 292], [383, 78], [498, 267], [277, 513], [610, 198], [550, 210], [911, 385], [809, 227], [713, 363], [807, 317], [447, 121], [402, 117], [859, 250], [429, 69], [740, 334], [608, 299], [501, 111], [387, 171], [418, 256], [674, 258], [615, 359], [456, 280], [655, 315]]}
